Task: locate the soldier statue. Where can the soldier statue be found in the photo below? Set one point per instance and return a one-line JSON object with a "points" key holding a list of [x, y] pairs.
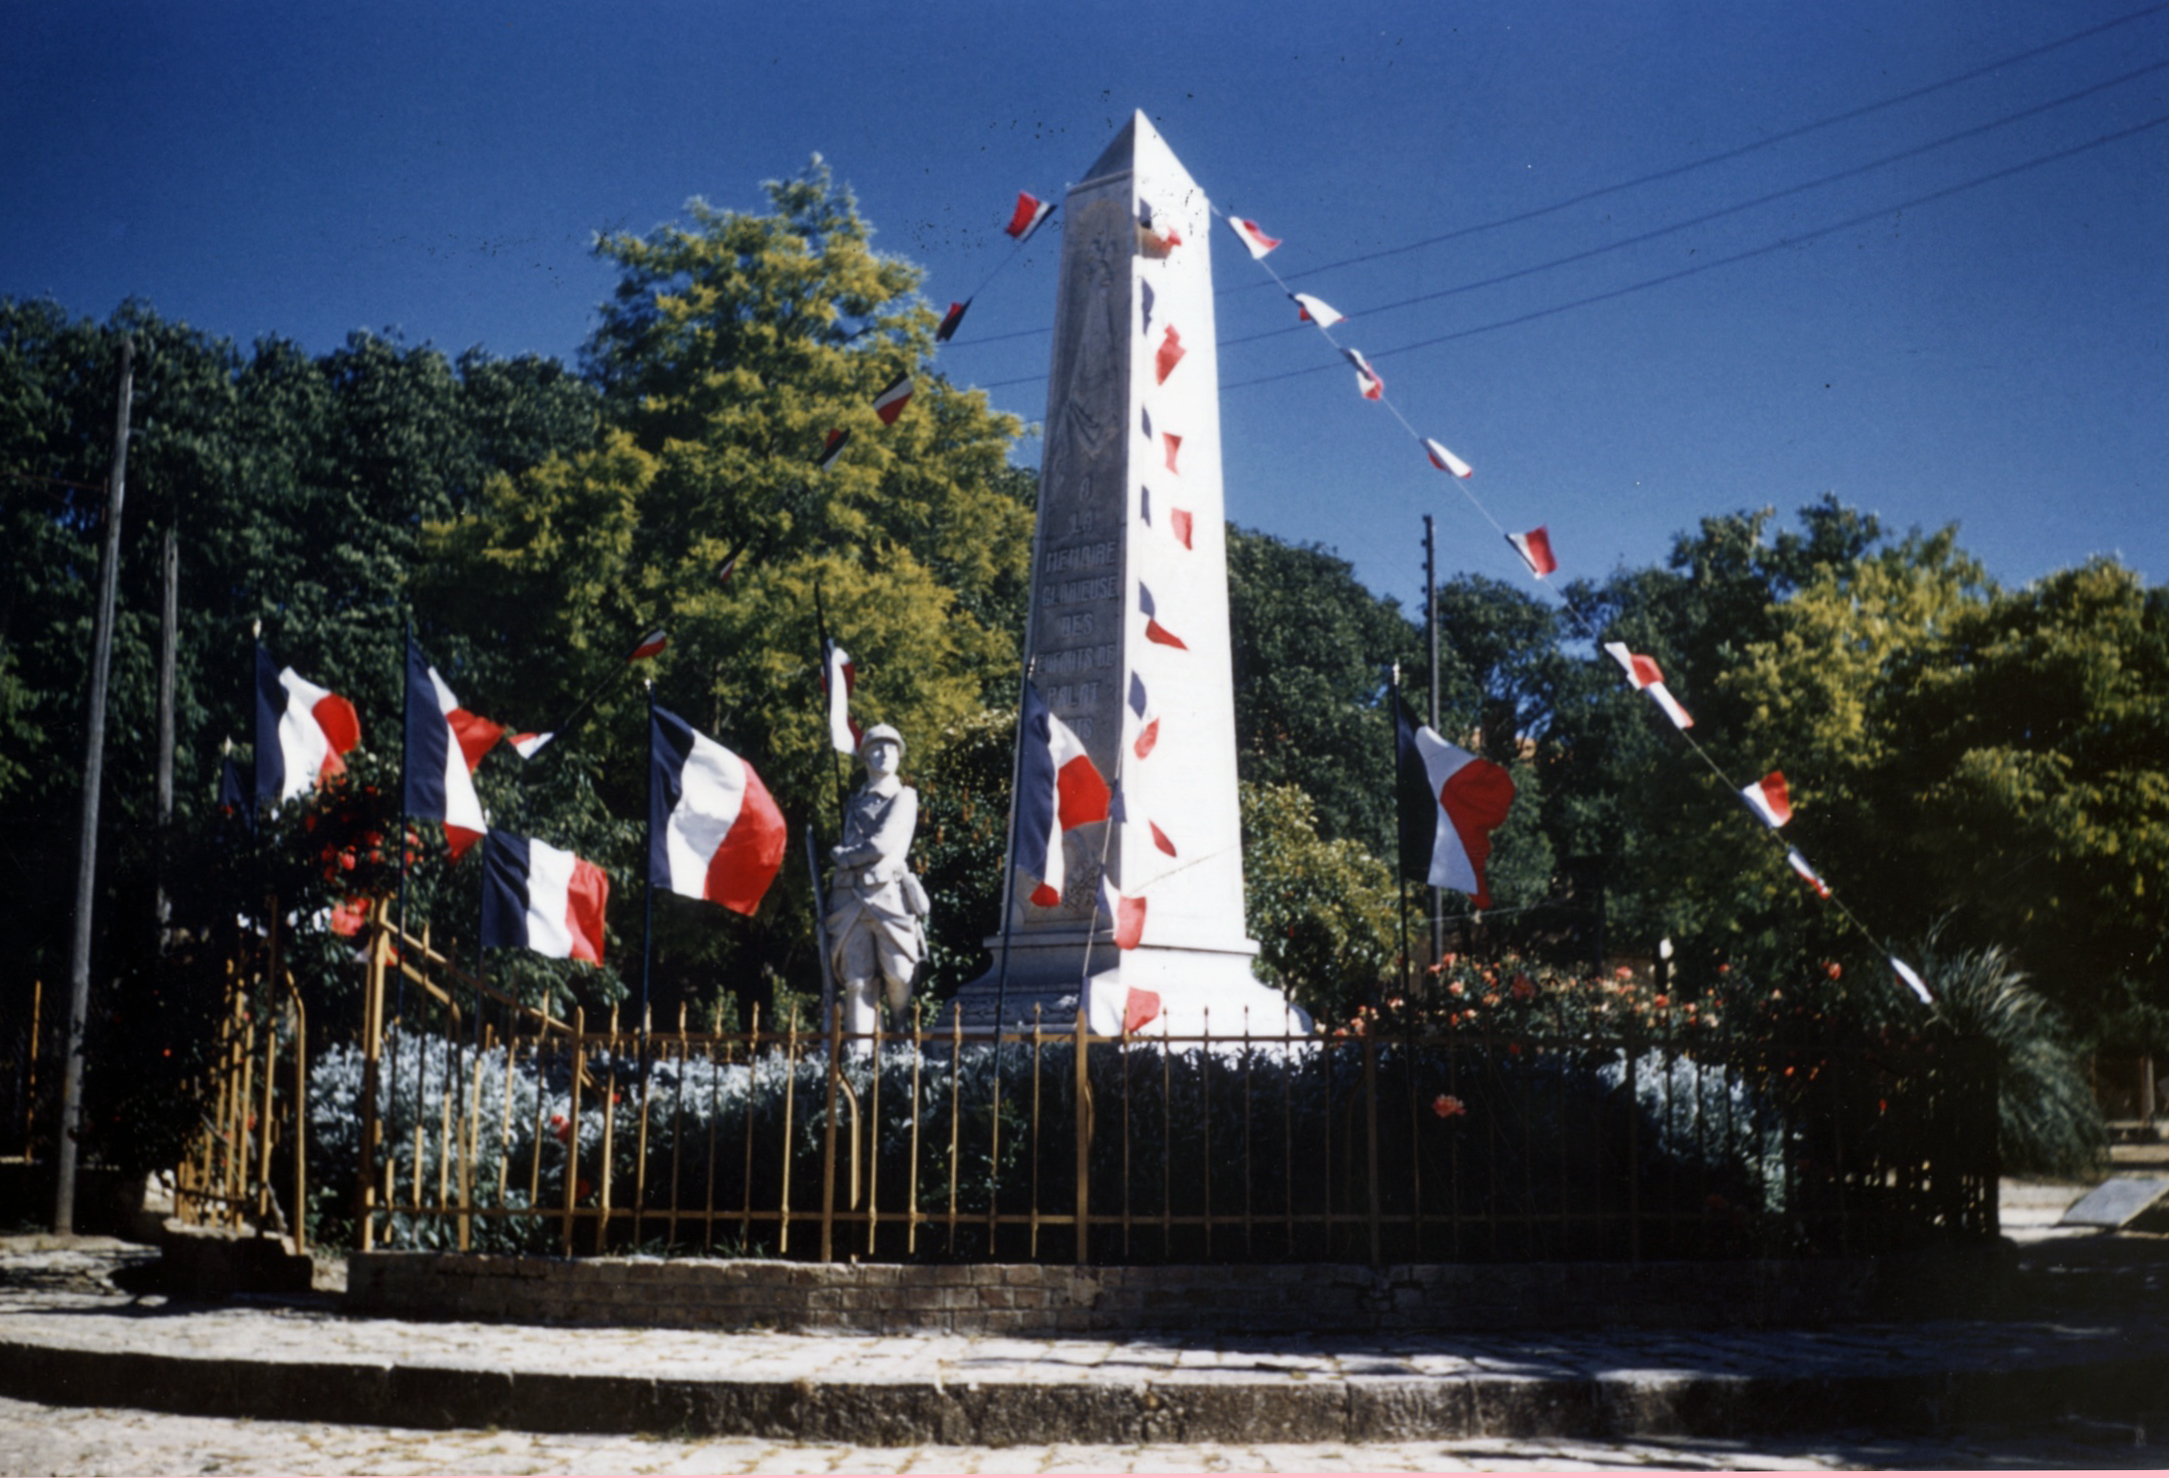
{"points": [[876, 905]]}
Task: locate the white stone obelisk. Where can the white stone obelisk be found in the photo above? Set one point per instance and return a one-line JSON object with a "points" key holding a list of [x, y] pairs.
{"points": [[1128, 634]]}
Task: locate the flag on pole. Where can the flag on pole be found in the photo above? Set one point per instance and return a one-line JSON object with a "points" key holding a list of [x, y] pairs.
{"points": [[1534, 548], [1912, 980], [1449, 804], [1058, 789], [1644, 674], [1170, 354], [1807, 873], [1027, 217], [1154, 631], [1446, 461], [1148, 729], [714, 832], [301, 732], [1769, 799], [951, 320], [1254, 241], [444, 744], [1368, 380], [542, 898], [1316, 310], [890, 403]]}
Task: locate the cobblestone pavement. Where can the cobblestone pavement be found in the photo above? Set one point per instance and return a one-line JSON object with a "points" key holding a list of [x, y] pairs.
{"points": [[65, 1440]]}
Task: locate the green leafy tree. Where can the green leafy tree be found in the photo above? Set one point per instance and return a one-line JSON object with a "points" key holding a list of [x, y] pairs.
{"points": [[1325, 913], [733, 346]]}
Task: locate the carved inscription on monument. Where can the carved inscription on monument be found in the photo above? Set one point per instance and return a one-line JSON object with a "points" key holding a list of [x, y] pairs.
{"points": [[1077, 573]]}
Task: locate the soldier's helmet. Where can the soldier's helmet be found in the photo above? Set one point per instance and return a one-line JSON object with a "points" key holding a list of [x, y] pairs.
{"points": [[882, 731]]}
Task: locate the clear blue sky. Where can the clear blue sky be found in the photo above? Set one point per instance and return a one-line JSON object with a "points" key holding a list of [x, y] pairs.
{"points": [[1930, 348]]}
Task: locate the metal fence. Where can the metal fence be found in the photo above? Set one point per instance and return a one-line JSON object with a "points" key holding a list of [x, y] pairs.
{"points": [[477, 1123]]}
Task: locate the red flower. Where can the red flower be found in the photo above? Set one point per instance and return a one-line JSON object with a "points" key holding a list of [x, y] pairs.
{"points": [[1622, 973], [1446, 1106], [582, 1188], [1522, 988], [560, 1127], [1833, 970], [1663, 1000]]}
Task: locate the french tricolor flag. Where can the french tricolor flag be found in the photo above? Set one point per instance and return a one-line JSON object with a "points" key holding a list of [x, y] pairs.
{"points": [[301, 730], [542, 898], [1770, 799], [444, 744], [714, 831], [1644, 673], [1254, 241], [1449, 804], [1058, 788], [1030, 214]]}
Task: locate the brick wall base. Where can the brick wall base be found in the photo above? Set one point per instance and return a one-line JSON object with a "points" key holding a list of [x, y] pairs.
{"points": [[992, 1298]]}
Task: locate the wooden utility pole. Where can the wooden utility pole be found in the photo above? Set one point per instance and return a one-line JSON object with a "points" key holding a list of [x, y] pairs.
{"points": [[168, 642], [86, 873]]}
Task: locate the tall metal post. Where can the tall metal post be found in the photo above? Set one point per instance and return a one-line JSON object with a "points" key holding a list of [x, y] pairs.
{"points": [[1430, 622], [86, 872]]}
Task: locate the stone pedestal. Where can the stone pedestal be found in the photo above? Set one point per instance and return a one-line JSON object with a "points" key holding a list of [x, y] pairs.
{"points": [[1130, 600]]}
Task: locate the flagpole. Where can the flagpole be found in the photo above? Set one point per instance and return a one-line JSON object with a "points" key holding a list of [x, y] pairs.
{"points": [[1009, 860], [647, 924], [1399, 876], [820, 623]]}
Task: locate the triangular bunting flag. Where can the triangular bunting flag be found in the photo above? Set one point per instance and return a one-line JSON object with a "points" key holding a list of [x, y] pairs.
{"points": [[1316, 310], [1769, 799], [1027, 217], [890, 403], [1644, 674], [1179, 524], [1154, 631], [832, 448], [950, 320], [1807, 873], [1148, 729], [1912, 980], [1367, 379], [1254, 241], [1534, 548], [1170, 355], [1446, 461]]}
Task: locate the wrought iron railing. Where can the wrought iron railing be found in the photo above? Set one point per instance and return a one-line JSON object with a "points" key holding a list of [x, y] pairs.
{"points": [[482, 1124]]}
